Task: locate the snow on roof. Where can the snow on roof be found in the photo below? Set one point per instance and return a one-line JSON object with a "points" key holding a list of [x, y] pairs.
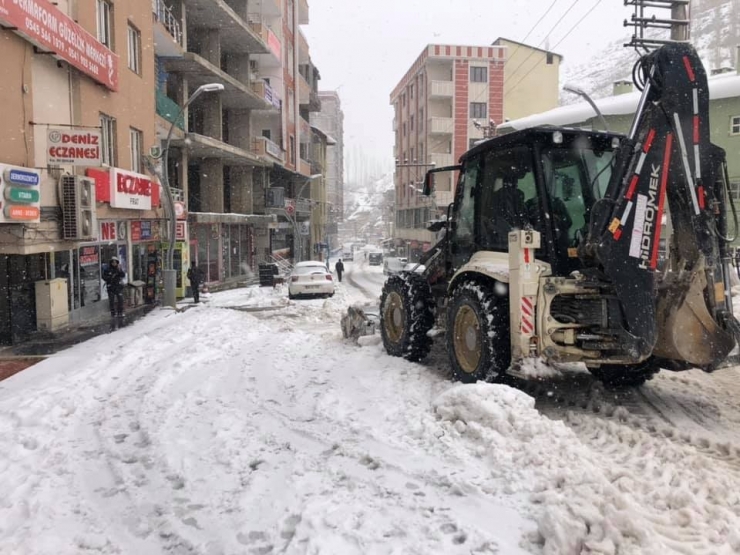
{"points": [[721, 86]]}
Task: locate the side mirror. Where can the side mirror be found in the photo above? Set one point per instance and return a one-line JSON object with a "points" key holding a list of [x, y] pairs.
{"points": [[428, 184]]}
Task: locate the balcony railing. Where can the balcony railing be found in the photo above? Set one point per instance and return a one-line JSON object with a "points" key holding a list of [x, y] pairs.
{"points": [[263, 146], [442, 89], [441, 126], [163, 14], [305, 167], [168, 109]]}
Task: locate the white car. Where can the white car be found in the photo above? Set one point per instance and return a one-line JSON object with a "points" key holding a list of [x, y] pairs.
{"points": [[310, 278]]}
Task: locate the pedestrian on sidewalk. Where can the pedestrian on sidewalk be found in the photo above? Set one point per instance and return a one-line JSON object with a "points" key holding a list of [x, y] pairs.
{"points": [[339, 267], [115, 279], [196, 278]]}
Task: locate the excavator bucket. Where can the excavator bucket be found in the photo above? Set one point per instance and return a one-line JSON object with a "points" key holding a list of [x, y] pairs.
{"points": [[686, 329]]}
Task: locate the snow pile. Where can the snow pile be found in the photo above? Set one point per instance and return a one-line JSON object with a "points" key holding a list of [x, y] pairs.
{"points": [[624, 492], [536, 368]]}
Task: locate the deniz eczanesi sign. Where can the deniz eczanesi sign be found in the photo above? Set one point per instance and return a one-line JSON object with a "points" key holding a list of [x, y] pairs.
{"points": [[20, 194], [73, 146], [45, 26]]}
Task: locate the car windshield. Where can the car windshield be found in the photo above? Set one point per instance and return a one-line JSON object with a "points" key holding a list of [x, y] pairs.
{"points": [[309, 277]]}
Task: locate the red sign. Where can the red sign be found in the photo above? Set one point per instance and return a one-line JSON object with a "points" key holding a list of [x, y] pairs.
{"points": [[131, 190], [108, 231], [88, 256], [180, 231], [47, 27], [273, 42], [18, 213]]}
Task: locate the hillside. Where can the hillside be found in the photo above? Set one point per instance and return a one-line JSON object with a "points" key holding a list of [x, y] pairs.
{"points": [[715, 31]]}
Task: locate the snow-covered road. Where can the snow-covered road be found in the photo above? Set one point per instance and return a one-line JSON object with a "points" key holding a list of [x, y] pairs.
{"points": [[247, 425]]}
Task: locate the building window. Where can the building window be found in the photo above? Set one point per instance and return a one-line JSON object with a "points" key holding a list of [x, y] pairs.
{"points": [[403, 126], [735, 190], [421, 152], [292, 150], [421, 86], [479, 74], [134, 49], [478, 110], [411, 123], [412, 155], [550, 58], [411, 90], [403, 99], [108, 130], [735, 125], [135, 141], [105, 23], [267, 134], [421, 119]]}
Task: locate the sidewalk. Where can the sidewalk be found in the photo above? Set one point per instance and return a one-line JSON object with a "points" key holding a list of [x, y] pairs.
{"points": [[39, 345]]}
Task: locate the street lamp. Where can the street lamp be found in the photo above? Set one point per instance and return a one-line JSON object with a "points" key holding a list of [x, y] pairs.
{"points": [[580, 92], [169, 273]]}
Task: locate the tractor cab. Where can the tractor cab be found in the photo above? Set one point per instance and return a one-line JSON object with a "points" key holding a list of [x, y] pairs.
{"points": [[546, 179]]}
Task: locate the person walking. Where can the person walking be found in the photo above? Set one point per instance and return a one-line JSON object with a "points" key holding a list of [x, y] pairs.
{"points": [[195, 277], [339, 267], [115, 279]]}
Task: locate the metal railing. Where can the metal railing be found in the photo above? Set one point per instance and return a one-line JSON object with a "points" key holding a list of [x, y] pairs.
{"points": [[163, 14], [168, 109]]}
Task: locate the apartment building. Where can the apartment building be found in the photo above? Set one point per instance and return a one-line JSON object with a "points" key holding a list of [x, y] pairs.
{"points": [[77, 90], [445, 93], [235, 150], [450, 97], [331, 120]]}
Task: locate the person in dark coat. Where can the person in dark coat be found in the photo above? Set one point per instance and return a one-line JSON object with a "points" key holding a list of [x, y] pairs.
{"points": [[115, 278], [195, 277], [339, 267]]}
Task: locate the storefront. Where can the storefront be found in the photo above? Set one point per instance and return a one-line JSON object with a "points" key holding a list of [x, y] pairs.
{"points": [[222, 245]]}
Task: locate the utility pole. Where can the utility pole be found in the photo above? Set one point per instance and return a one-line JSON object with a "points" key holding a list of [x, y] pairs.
{"points": [[678, 23]]}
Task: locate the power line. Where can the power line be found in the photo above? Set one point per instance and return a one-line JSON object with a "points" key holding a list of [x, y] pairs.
{"points": [[524, 40], [524, 61], [556, 45]]}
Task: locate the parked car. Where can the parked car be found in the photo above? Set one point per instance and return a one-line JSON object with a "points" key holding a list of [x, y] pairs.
{"points": [[375, 258], [310, 278], [394, 265]]}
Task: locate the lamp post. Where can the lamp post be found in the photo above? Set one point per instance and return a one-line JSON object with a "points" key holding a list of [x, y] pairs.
{"points": [[294, 220], [580, 92], [169, 273]]}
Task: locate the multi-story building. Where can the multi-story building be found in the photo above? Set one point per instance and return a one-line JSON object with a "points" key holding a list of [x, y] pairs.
{"points": [[331, 120], [531, 78], [449, 99], [77, 88], [445, 93], [251, 137]]}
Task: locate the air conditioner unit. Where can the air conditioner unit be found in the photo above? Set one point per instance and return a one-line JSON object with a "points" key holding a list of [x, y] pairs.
{"points": [[79, 218]]}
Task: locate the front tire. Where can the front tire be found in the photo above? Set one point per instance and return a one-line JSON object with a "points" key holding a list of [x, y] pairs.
{"points": [[406, 315], [478, 341]]}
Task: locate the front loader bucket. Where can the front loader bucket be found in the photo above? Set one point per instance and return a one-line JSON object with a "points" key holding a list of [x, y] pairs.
{"points": [[687, 332]]}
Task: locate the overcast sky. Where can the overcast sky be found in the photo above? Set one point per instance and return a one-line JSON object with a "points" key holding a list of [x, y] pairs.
{"points": [[363, 48]]}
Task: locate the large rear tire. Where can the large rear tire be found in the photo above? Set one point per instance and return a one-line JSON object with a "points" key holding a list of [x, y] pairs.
{"points": [[478, 341], [406, 315], [622, 375]]}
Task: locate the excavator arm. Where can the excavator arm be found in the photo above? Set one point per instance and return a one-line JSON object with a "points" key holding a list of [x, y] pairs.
{"points": [[668, 180]]}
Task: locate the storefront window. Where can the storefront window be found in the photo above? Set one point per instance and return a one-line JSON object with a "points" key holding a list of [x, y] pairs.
{"points": [[89, 258], [213, 257]]}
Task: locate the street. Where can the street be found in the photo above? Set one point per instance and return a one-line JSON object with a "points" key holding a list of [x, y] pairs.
{"points": [[247, 425]]}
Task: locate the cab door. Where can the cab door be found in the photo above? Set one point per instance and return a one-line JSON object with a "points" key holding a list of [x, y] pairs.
{"points": [[462, 241]]}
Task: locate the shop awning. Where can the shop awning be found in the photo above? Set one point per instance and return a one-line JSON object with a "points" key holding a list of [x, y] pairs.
{"points": [[257, 220]]}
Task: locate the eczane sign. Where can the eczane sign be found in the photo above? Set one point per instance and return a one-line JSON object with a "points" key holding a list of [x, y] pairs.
{"points": [[131, 190], [73, 146]]}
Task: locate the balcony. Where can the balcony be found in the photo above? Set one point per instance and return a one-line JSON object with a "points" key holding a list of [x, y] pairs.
{"points": [[304, 167], [441, 89], [440, 126], [305, 130], [264, 147], [168, 109], [302, 12], [236, 36], [167, 30], [262, 89], [303, 57], [200, 146], [200, 71], [442, 160]]}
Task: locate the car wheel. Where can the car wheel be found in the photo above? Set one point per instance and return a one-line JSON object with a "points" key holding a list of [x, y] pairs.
{"points": [[478, 342], [406, 315]]}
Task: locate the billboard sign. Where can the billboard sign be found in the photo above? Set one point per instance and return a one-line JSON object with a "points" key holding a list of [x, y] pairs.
{"points": [[131, 190], [20, 195], [73, 147], [47, 27]]}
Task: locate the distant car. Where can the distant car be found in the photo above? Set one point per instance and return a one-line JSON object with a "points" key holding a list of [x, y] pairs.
{"points": [[394, 265], [348, 255], [375, 258], [310, 278]]}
